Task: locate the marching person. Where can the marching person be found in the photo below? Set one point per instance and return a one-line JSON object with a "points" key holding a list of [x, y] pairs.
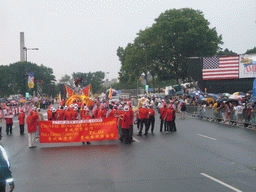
{"points": [[151, 118], [40, 118], [5, 172], [162, 116], [129, 104], [143, 116], [54, 115], [60, 113], [86, 116], [169, 118], [32, 121], [68, 114], [120, 113], [126, 126], [49, 113], [75, 113], [8, 118], [21, 119]]}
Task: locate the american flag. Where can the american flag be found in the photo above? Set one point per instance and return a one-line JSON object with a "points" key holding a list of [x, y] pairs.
{"points": [[223, 67]]}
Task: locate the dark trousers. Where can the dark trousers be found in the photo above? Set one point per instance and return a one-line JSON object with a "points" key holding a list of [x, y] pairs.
{"points": [[170, 125], [125, 136], [174, 124], [9, 128], [151, 123], [143, 121], [21, 129], [131, 132], [138, 124], [163, 122], [2, 186]]}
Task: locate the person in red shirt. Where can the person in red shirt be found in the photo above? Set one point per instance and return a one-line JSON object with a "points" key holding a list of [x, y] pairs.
{"points": [[82, 112], [32, 121], [95, 114], [75, 113], [111, 112], [105, 110], [129, 104], [8, 118], [49, 113], [86, 116], [169, 118], [151, 120], [21, 119], [162, 116], [126, 126], [120, 113], [68, 114], [60, 113], [143, 116], [100, 113]]}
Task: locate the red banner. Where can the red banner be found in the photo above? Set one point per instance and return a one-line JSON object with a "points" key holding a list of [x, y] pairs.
{"points": [[78, 130]]}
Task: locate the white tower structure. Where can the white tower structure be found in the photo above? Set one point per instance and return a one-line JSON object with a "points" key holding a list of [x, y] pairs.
{"points": [[22, 44]]}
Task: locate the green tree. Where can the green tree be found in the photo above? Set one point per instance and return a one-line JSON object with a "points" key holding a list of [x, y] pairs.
{"points": [[186, 33], [162, 50], [14, 78], [66, 79], [253, 50], [226, 52], [95, 79]]}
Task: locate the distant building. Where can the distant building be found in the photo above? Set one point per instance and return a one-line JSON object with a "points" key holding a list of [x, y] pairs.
{"points": [[109, 83]]}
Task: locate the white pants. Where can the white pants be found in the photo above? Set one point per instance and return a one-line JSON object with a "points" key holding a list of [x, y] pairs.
{"points": [[31, 139]]}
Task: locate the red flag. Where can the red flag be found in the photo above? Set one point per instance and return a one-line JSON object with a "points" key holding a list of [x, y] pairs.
{"points": [[69, 91], [86, 90]]}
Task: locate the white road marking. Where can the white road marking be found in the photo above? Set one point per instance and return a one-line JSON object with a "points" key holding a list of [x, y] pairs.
{"points": [[37, 139], [220, 182], [136, 140], [16, 121], [207, 137]]}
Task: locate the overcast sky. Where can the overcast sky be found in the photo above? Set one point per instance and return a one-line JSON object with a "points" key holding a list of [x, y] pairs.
{"points": [[83, 35]]}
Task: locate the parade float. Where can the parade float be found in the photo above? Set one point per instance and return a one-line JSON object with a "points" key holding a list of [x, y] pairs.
{"points": [[78, 95]]}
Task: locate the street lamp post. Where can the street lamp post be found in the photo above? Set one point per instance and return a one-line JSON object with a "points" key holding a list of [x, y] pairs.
{"points": [[26, 49], [26, 72], [106, 81]]}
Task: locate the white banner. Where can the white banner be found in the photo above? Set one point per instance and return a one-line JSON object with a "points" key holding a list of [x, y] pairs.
{"points": [[247, 66]]}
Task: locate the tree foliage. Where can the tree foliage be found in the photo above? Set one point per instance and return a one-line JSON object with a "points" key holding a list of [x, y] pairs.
{"points": [[14, 79], [226, 52], [251, 50], [163, 48], [95, 79]]}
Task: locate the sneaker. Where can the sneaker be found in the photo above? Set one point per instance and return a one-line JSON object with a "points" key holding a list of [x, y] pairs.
{"points": [[88, 143]]}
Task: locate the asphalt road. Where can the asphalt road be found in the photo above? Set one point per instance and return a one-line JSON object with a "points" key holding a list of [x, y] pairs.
{"points": [[200, 156]]}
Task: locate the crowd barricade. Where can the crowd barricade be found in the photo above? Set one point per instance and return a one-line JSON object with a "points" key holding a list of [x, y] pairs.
{"points": [[233, 117], [192, 110]]}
